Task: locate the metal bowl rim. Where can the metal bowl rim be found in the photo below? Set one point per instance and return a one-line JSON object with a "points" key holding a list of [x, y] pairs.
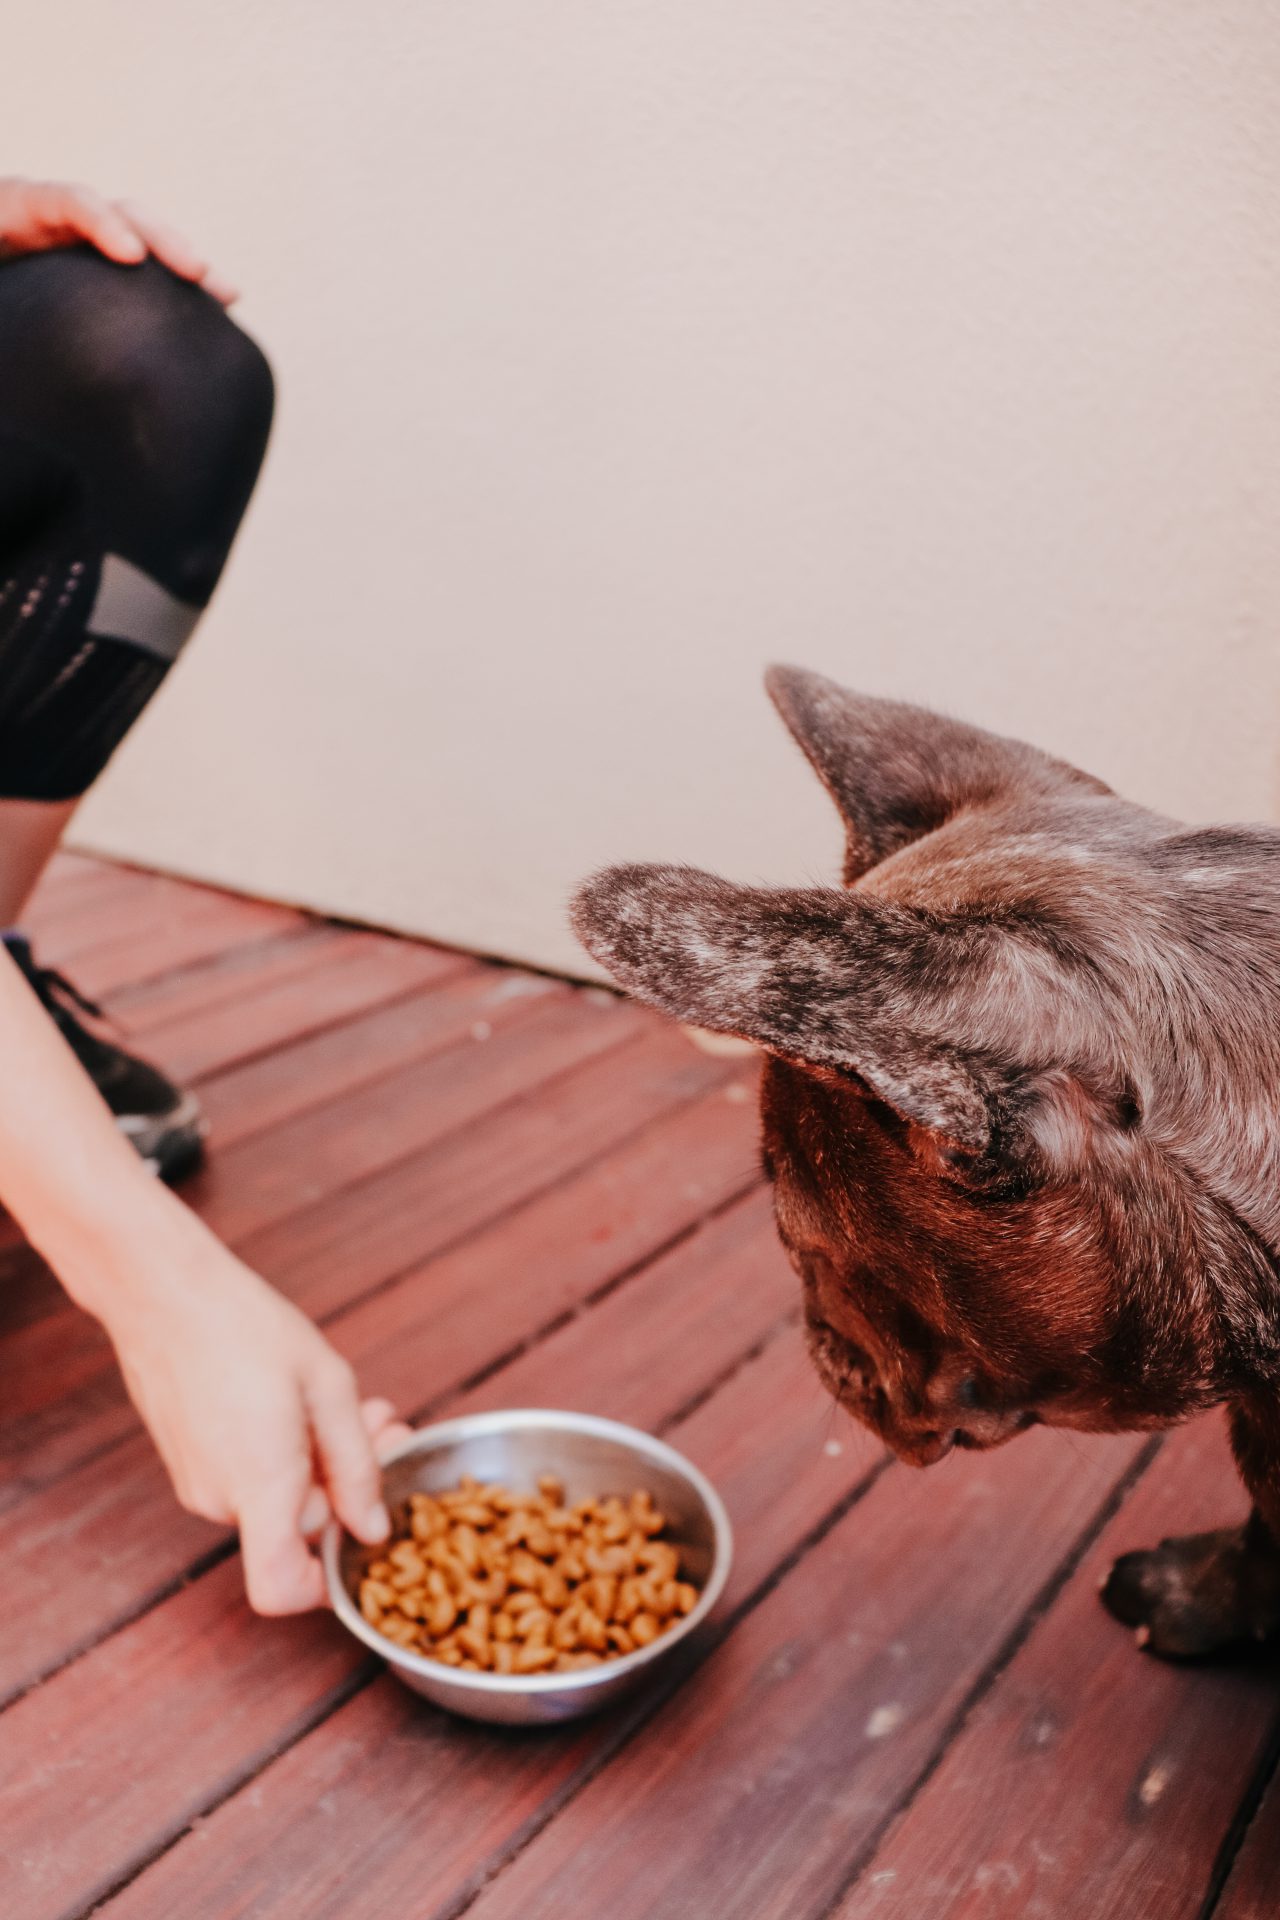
{"points": [[471, 1425]]}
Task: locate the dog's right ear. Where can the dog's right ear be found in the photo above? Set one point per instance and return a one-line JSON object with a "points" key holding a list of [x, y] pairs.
{"points": [[896, 772]]}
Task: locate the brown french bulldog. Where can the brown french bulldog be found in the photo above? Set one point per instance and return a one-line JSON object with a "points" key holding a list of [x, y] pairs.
{"points": [[1021, 1108]]}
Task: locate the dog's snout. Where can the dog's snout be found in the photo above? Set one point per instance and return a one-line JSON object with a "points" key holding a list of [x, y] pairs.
{"points": [[926, 1449]]}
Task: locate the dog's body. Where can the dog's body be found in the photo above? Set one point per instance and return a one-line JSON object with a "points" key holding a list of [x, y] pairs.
{"points": [[1021, 1107]]}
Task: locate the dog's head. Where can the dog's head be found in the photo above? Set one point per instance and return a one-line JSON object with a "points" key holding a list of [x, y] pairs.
{"points": [[1001, 1077]]}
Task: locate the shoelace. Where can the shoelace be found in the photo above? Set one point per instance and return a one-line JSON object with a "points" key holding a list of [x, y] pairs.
{"points": [[49, 984]]}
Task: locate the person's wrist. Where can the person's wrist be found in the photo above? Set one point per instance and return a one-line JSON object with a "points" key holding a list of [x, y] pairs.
{"points": [[120, 1250]]}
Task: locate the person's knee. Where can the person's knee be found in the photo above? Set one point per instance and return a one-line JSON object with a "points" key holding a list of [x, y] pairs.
{"points": [[172, 405], [164, 368]]}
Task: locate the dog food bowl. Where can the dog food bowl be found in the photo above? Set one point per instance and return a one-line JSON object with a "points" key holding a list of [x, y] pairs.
{"points": [[593, 1458]]}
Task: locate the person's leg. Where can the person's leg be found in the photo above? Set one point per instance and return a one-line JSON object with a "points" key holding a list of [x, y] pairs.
{"points": [[29, 834], [133, 419]]}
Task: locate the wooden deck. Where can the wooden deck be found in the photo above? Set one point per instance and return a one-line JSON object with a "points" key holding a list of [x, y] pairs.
{"points": [[495, 1189]]}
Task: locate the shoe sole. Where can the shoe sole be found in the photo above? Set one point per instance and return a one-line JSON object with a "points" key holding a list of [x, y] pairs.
{"points": [[172, 1143]]}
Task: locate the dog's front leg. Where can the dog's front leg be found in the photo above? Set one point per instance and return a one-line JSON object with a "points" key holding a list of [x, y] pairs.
{"points": [[1209, 1590]]}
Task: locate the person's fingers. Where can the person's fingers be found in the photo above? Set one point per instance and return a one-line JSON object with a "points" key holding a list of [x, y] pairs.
{"points": [[384, 1428], [165, 242], [174, 251], [224, 291], [280, 1575], [79, 213], [393, 1435], [316, 1514], [345, 1451]]}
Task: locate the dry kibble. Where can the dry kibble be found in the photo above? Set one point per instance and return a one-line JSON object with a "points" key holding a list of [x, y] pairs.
{"points": [[475, 1644], [645, 1628], [489, 1580], [441, 1618], [466, 1544], [555, 1589], [591, 1631], [534, 1658]]}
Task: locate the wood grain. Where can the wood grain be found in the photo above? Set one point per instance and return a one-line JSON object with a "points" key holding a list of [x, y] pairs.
{"points": [[392, 1807], [1091, 1778]]}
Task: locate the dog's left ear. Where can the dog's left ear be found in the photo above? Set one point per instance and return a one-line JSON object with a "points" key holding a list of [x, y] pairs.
{"points": [[897, 772], [950, 1020]]}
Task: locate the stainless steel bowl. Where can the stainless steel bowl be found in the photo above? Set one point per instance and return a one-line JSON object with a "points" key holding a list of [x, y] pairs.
{"points": [[593, 1458]]}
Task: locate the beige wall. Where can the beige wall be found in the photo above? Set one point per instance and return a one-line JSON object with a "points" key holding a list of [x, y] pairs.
{"points": [[624, 347]]}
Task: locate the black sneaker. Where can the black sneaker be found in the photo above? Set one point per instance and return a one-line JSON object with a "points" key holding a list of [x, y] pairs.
{"points": [[160, 1120]]}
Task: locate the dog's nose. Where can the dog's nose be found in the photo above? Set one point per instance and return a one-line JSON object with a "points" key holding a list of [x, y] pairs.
{"points": [[929, 1448]]}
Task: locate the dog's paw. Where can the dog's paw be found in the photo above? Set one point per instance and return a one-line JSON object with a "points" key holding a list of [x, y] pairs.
{"points": [[1194, 1596]]}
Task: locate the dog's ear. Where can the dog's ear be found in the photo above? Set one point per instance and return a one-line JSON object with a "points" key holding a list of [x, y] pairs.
{"points": [[895, 771], [950, 1020]]}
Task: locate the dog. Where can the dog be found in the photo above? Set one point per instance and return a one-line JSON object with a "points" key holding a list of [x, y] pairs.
{"points": [[1020, 1108]]}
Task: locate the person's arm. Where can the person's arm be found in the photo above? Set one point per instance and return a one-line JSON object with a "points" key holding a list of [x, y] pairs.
{"points": [[37, 215], [254, 1414]]}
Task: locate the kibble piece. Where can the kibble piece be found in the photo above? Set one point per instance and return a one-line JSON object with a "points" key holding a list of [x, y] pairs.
{"points": [[591, 1631], [475, 1644], [535, 1623]]}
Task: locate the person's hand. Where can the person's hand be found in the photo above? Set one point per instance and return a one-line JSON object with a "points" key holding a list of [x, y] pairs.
{"points": [[255, 1415], [36, 215]]}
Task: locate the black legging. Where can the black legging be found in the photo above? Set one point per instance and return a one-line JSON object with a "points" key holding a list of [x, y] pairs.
{"points": [[133, 420]]}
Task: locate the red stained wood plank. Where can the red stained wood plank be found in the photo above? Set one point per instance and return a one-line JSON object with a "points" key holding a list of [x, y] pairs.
{"points": [[27, 1288], [198, 932], [680, 1321], [438, 1322], [331, 1147], [166, 1797], [153, 1706], [414, 1208], [45, 1431], [254, 966], [65, 891], [68, 868], [342, 1040], [390, 1807], [1092, 1779], [141, 910], [354, 971], [748, 1795], [1253, 1890], [113, 1515], [469, 1006]]}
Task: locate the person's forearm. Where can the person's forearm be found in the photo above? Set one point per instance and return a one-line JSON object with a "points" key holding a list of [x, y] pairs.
{"points": [[256, 1418], [69, 1178]]}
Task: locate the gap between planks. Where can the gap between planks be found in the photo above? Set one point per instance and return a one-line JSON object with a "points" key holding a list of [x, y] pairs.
{"points": [[629, 1723], [995, 1668]]}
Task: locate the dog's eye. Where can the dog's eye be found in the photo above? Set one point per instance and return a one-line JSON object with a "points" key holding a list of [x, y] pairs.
{"points": [[968, 1393]]}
